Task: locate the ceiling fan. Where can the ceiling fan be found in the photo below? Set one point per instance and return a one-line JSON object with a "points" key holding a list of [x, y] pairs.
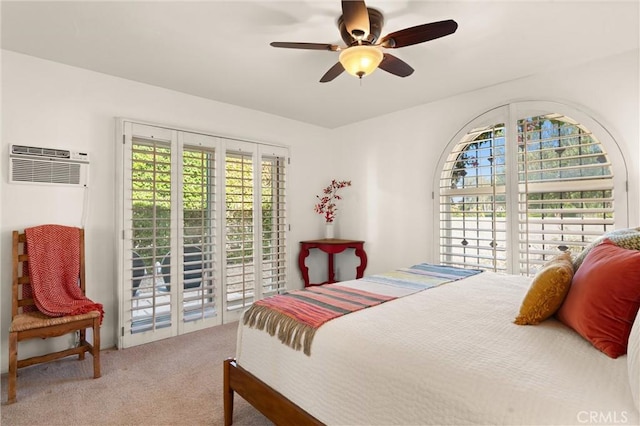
{"points": [[360, 28]]}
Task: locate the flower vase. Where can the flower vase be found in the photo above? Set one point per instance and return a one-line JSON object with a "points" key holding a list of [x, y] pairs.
{"points": [[329, 230]]}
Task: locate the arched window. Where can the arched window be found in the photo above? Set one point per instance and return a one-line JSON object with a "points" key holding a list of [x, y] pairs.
{"points": [[521, 184]]}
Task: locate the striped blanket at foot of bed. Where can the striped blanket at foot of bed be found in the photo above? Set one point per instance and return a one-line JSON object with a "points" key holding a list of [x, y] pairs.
{"points": [[421, 277], [295, 316]]}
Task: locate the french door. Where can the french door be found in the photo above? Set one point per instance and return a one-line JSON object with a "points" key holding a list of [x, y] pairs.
{"points": [[203, 230]]}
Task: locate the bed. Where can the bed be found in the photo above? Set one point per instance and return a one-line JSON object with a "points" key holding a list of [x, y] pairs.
{"points": [[450, 354]]}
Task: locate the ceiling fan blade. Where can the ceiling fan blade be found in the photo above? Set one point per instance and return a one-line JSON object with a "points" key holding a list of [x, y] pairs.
{"points": [[311, 46], [356, 17], [419, 34], [395, 66], [333, 72]]}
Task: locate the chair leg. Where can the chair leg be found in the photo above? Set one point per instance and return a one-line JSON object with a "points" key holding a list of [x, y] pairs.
{"points": [[13, 367], [96, 348], [81, 339]]}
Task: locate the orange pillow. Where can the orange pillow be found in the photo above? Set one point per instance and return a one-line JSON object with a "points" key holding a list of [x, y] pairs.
{"points": [[604, 297]]}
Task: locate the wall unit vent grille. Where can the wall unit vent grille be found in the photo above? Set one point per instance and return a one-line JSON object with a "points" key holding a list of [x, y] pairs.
{"points": [[28, 164]]}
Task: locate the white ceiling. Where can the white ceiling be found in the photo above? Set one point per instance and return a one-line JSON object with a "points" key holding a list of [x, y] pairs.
{"points": [[220, 49]]}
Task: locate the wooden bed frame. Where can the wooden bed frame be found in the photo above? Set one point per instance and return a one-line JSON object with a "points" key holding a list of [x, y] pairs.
{"points": [[265, 399]]}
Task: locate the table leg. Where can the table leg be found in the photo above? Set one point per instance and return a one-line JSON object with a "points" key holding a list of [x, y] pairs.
{"points": [[332, 275], [363, 262], [304, 252]]}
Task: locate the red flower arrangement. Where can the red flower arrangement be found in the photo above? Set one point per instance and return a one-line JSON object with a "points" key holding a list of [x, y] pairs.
{"points": [[327, 205]]}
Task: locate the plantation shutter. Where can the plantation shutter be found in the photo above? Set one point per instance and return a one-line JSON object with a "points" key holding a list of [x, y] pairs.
{"points": [[473, 202], [565, 188], [240, 235], [204, 230], [274, 224], [198, 232], [148, 215], [558, 194]]}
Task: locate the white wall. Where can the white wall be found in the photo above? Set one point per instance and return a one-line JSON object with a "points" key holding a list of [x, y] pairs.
{"points": [[392, 159], [52, 105]]}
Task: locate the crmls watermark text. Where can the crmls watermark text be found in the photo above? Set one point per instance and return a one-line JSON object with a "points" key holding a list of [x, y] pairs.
{"points": [[600, 417]]}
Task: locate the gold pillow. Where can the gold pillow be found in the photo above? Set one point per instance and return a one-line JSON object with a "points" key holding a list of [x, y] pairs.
{"points": [[547, 291]]}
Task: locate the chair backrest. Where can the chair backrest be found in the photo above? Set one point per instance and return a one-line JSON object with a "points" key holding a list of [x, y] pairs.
{"points": [[21, 274]]}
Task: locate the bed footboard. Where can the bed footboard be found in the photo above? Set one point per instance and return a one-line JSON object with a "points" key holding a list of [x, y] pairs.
{"points": [[269, 402]]}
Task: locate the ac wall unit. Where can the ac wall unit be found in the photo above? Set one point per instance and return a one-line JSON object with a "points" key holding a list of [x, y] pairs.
{"points": [[30, 164]]}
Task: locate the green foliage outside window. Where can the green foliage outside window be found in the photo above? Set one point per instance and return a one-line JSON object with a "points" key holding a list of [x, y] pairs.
{"points": [[151, 204]]}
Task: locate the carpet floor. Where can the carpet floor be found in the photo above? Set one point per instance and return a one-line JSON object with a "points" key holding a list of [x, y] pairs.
{"points": [[176, 381]]}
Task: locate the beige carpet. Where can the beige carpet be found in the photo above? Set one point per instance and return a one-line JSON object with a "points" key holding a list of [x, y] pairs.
{"points": [[176, 381]]}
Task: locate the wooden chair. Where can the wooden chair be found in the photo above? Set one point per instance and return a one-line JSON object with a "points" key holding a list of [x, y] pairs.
{"points": [[34, 324]]}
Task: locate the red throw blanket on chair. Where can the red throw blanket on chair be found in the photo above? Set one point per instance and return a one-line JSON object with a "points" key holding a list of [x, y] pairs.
{"points": [[54, 268]]}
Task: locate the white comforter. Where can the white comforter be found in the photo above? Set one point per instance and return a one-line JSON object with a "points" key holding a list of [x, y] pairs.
{"points": [[447, 355]]}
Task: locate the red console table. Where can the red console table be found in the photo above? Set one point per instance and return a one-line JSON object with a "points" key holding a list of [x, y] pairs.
{"points": [[331, 246]]}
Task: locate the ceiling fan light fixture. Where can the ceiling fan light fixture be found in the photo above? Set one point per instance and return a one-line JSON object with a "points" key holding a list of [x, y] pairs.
{"points": [[360, 27], [361, 60]]}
